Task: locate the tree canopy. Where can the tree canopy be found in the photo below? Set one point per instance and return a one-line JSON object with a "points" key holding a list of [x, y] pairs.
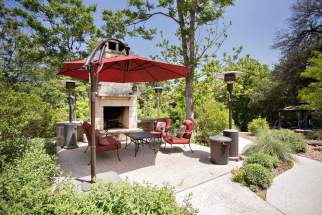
{"points": [[37, 36], [189, 16], [297, 43], [313, 92]]}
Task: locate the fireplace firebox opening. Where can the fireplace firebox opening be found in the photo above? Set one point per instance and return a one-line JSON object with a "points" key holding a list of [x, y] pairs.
{"points": [[116, 117]]}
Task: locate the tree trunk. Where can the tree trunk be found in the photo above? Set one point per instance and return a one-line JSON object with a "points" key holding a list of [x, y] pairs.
{"points": [[190, 78], [187, 34], [189, 95]]}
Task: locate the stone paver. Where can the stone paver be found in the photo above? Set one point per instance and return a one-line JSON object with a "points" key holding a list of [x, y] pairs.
{"points": [[224, 197], [298, 191]]}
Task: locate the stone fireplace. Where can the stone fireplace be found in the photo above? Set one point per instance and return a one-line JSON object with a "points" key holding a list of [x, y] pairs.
{"points": [[116, 107], [116, 103]]}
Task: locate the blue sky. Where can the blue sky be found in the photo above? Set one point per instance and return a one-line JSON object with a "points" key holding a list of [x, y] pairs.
{"points": [[254, 26]]}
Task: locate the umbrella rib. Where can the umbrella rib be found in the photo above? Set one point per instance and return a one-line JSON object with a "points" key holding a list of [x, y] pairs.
{"points": [[143, 68], [169, 70], [155, 79], [139, 65], [127, 69], [108, 67]]}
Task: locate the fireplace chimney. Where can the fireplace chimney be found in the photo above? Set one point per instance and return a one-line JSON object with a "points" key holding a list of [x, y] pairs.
{"points": [[115, 47]]}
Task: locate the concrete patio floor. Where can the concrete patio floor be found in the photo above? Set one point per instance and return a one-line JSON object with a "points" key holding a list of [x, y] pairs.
{"points": [[179, 168], [211, 185]]}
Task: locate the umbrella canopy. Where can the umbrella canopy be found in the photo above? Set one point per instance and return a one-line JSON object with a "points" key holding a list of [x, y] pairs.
{"points": [[126, 69]]}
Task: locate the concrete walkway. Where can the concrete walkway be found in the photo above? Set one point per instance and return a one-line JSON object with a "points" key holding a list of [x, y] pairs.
{"points": [[298, 191], [224, 197], [219, 195]]}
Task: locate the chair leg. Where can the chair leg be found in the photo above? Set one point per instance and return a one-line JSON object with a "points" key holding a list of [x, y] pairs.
{"points": [[117, 152], [126, 142], [86, 149], [165, 145], [136, 149], [190, 148], [171, 148]]}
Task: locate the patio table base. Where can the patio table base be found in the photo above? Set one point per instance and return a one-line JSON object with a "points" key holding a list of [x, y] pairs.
{"points": [[141, 138]]}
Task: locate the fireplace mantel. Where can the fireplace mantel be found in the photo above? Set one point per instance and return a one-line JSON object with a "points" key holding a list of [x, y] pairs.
{"points": [[117, 97]]}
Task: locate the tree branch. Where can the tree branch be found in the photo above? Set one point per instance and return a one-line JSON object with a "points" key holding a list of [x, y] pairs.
{"points": [[137, 21]]}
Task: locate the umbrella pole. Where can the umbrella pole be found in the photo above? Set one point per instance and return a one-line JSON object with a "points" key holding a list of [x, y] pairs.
{"points": [[93, 139]]}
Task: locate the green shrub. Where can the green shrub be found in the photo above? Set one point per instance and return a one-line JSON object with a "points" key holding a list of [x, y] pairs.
{"points": [[279, 143], [296, 141], [257, 175], [269, 142], [257, 125], [11, 150], [254, 176], [25, 183], [265, 160], [31, 110], [314, 135], [125, 198], [211, 118]]}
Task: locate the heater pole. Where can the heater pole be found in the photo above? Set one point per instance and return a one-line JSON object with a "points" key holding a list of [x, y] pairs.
{"points": [[93, 139], [230, 111], [230, 87]]}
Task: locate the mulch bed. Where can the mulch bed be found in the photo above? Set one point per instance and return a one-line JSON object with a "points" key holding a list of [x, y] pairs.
{"points": [[314, 150], [261, 193], [282, 167]]}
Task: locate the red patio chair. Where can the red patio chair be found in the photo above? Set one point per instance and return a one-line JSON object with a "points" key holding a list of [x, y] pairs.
{"points": [[159, 133], [110, 143], [185, 139]]}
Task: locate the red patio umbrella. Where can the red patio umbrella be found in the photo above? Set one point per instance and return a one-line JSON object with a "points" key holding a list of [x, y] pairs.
{"points": [[120, 69], [125, 69]]}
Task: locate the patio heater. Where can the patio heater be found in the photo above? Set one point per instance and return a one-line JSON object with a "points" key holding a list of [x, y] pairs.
{"points": [[229, 78], [70, 86], [70, 128], [158, 91]]}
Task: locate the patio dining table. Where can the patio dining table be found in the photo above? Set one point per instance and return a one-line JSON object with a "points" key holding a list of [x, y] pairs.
{"points": [[140, 138]]}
